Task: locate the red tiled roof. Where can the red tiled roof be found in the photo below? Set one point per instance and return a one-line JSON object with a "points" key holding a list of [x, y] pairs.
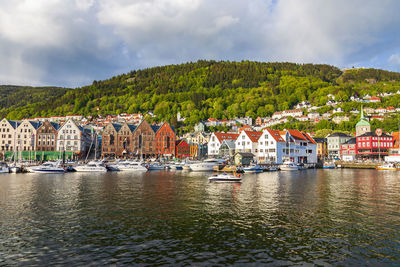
{"points": [[309, 138], [222, 136], [296, 134], [275, 134], [254, 136]]}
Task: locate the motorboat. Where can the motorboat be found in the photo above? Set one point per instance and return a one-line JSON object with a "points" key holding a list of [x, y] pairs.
{"points": [[289, 166], [47, 167], [272, 169], [4, 168], [130, 166], [225, 177], [206, 165], [253, 169], [92, 166], [301, 166], [388, 167], [328, 165], [157, 167]]}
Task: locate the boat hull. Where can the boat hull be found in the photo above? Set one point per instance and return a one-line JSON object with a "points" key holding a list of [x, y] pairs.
{"points": [[86, 169]]}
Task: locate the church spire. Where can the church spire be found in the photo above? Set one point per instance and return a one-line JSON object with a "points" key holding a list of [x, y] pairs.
{"points": [[362, 113]]}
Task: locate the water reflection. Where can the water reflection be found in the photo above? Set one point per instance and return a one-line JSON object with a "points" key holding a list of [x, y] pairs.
{"points": [[347, 217]]}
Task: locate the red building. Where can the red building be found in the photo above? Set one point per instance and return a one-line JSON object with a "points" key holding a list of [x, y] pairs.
{"points": [[165, 141], [182, 149], [348, 150], [371, 146]]}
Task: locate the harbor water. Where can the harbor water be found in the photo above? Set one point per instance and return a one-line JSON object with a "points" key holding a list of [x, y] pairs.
{"points": [[339, 217]]}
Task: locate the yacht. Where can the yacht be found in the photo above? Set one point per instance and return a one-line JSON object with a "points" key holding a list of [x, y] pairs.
{"points": [[130, 166], [4, 168], [289, 166], [206, 165], [157, 167], [48, 167], [329, 165], [92, 166], [388, 167], [253, 169], [224, 177]]}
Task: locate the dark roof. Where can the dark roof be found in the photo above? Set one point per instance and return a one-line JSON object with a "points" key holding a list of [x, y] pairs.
{"points": [[55, 125], [14, 124], [245, 154], [373, 134], [132, 127], [35, 124], [351, 141], [116, 126], [320, 139], [338, 134], [155, 128]]}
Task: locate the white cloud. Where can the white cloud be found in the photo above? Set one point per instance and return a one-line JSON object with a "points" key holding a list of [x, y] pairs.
{"points": [[74, 42]]}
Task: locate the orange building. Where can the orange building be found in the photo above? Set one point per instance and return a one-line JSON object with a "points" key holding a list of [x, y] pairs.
{"points": [[165, 141]]}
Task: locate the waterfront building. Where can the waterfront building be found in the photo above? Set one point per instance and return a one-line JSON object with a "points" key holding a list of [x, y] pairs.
{"points": [[74, 138], [47, 136], [7, 135], [270, 146], [243, 158], [322, 148], [144, 140], [109, 144], [165, 141], [26, 134], [335, 142], [348, 150], [227, 149], [247, 141], [182, 149], [216, 140], [372, 146], [124, 141], [363, 125]]}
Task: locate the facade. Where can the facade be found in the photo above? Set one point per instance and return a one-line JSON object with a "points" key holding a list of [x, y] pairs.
{"points": [[227, 149], [165, 141], [182, 149], [7, 135], [371, 146], [335, 142], [73, 138], [26, 134], [109, 144], [144, 140], [247, 141], [243, 158], [216, 140], [322, 148], [270, 147], [363, 125], [200, 127], [47, 136], [348, 150], [124, 140]]}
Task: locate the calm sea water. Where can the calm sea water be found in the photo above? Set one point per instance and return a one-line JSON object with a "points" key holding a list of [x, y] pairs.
{"points": [[340, 217]]}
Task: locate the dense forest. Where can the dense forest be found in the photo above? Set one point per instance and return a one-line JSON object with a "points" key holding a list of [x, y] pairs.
{"points": [[215, 89]]}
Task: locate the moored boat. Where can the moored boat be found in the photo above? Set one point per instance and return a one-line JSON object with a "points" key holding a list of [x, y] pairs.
{"points": [[329, 165], [225, 177], [388, 167], [90, 167], [289, 166], [4, 168], [207, 165], [47, 167], [253, 169]]}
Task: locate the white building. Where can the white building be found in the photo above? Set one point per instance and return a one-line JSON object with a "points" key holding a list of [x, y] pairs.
{"points": [[26, 134], [7, 134], [72, 137], [247, 141], [216, 140], [270, 147]]}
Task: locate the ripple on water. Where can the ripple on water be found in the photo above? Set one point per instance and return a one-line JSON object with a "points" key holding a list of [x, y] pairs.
{"points": [[340, 217]]}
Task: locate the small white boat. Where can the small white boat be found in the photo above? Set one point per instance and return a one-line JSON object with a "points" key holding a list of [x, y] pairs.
{"points": [[48, 167], [4, 168], [207, 165], [225, 177], [329, 165], [130, 166], [253, 169], [92, 166], [272, 169], [157, 167], [388, 167], [289, 166]]}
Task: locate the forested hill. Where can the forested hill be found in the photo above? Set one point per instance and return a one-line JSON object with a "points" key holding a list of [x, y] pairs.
{"points": [[21, 97], [214, 89]]}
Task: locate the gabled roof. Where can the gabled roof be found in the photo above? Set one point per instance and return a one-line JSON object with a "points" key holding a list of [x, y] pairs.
{"points": [[229, 143], [373, 134], [297, 135], [254, 136], [155, 128], [116, 126], [131, 127], [14, 124], [276, 135], [222, 136], [35, 124], [338, 134], [55, 125], [351, 141], [309, 138]]}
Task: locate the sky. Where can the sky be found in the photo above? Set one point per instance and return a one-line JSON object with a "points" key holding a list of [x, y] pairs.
{"points": [[72, 43]]}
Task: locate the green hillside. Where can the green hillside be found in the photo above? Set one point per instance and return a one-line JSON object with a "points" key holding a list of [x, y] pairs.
{"points": [[215, 89], [20, 97]]}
